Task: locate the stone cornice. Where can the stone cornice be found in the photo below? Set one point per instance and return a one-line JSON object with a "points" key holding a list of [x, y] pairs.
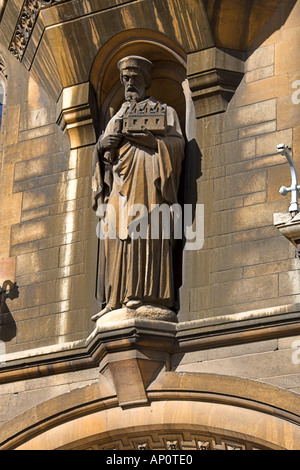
{"points": [[130, 334]]}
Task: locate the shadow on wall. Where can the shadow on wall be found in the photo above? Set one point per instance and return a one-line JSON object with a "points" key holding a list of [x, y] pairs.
{"points": [[8, 328], [187, 194], [274, 24]]}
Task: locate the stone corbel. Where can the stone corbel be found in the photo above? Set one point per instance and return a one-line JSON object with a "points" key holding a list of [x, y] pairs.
{"points": [[289, 226], [131, 354], [214, 76], [75, 115]]}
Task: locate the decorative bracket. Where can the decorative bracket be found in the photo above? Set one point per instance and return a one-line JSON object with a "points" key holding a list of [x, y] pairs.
{"points": [[294, 188], [214, 76], [131, 354], [75, 115], [289, 224]]}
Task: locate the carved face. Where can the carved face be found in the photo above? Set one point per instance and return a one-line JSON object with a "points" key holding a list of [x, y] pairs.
{"points": [[135, 85]]}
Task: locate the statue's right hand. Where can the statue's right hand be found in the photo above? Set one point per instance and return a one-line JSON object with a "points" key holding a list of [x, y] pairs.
{"points": [[111, 141]]}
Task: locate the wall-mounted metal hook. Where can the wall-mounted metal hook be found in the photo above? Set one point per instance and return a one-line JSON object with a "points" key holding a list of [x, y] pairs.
{"points": [[294, 188]]}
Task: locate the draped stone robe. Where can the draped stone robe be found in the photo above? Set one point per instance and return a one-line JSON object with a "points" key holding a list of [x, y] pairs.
{"points": [[138, 269]]}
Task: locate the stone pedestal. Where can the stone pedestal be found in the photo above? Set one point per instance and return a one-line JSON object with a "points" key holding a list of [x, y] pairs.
{"points": [[131, 353]]}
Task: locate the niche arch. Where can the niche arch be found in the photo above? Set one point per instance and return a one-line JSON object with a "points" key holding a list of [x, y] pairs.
{"points": [[169, 85], [168, 76]]}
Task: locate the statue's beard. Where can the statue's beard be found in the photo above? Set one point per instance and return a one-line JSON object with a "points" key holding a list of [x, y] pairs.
{"points": [[132, 96]]}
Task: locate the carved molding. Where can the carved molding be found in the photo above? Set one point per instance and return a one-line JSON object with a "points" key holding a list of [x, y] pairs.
{"points": [[278, 322], [171, 441], [25, 25], [3, 71]]}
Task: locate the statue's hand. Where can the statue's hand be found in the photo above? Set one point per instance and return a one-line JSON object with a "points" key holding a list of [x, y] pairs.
{"points": [[145, 139], [111, 141]]}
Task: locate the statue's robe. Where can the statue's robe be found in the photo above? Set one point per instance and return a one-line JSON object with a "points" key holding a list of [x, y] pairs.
{"points": [[138, 269]]}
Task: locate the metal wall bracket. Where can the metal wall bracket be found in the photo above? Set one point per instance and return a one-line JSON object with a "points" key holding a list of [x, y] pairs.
{"points": [[294, 188]]}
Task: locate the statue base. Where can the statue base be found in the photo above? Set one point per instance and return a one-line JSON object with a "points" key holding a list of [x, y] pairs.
{"points": [[146, 312]]}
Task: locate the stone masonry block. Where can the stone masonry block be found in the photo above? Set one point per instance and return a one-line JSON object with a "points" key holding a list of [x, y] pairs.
{"points": [[42, 166], [260, 58], [248, 254], [289, 282], [42, 260], [250, 115], [287, 52], [267, 144], [240, 184], [262, 90], [244, 290]]}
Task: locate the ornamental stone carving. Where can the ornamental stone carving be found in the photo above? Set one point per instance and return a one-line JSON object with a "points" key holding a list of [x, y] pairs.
{"points": [[3, 71], [25, 25]]}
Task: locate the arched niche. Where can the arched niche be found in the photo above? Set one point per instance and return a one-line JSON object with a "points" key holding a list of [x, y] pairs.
{"points": [[169, 85], [167, 80]]}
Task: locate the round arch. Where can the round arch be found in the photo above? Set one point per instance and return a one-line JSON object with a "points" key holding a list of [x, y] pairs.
{"points": [[169, 73], [191, 411]]}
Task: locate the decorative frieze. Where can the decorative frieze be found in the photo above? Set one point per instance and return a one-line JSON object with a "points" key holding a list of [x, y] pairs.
{"points": [[176, 441], [25, 25]]}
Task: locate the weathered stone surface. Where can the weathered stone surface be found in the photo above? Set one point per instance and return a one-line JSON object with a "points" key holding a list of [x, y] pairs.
{"points": [[48, 243]]}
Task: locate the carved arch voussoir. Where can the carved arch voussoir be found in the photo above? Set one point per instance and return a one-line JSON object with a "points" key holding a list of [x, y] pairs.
{"points": [[3, 70], [25, 25]]}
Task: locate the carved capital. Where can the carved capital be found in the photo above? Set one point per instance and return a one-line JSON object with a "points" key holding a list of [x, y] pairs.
{"points": [[214, 76], [75, 115]]}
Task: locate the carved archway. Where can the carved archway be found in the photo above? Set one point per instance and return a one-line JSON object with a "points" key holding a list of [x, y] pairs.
{"points": [[185, 411]]}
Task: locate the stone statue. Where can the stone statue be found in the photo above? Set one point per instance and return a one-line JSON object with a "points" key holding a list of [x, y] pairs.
{"points": [[137, 166]]}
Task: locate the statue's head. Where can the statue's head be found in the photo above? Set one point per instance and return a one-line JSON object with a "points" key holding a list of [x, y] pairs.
{"points": [[135, 75]]}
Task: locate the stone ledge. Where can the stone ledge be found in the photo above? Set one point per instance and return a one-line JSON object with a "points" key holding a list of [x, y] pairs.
{"points": [[140, 334]]}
